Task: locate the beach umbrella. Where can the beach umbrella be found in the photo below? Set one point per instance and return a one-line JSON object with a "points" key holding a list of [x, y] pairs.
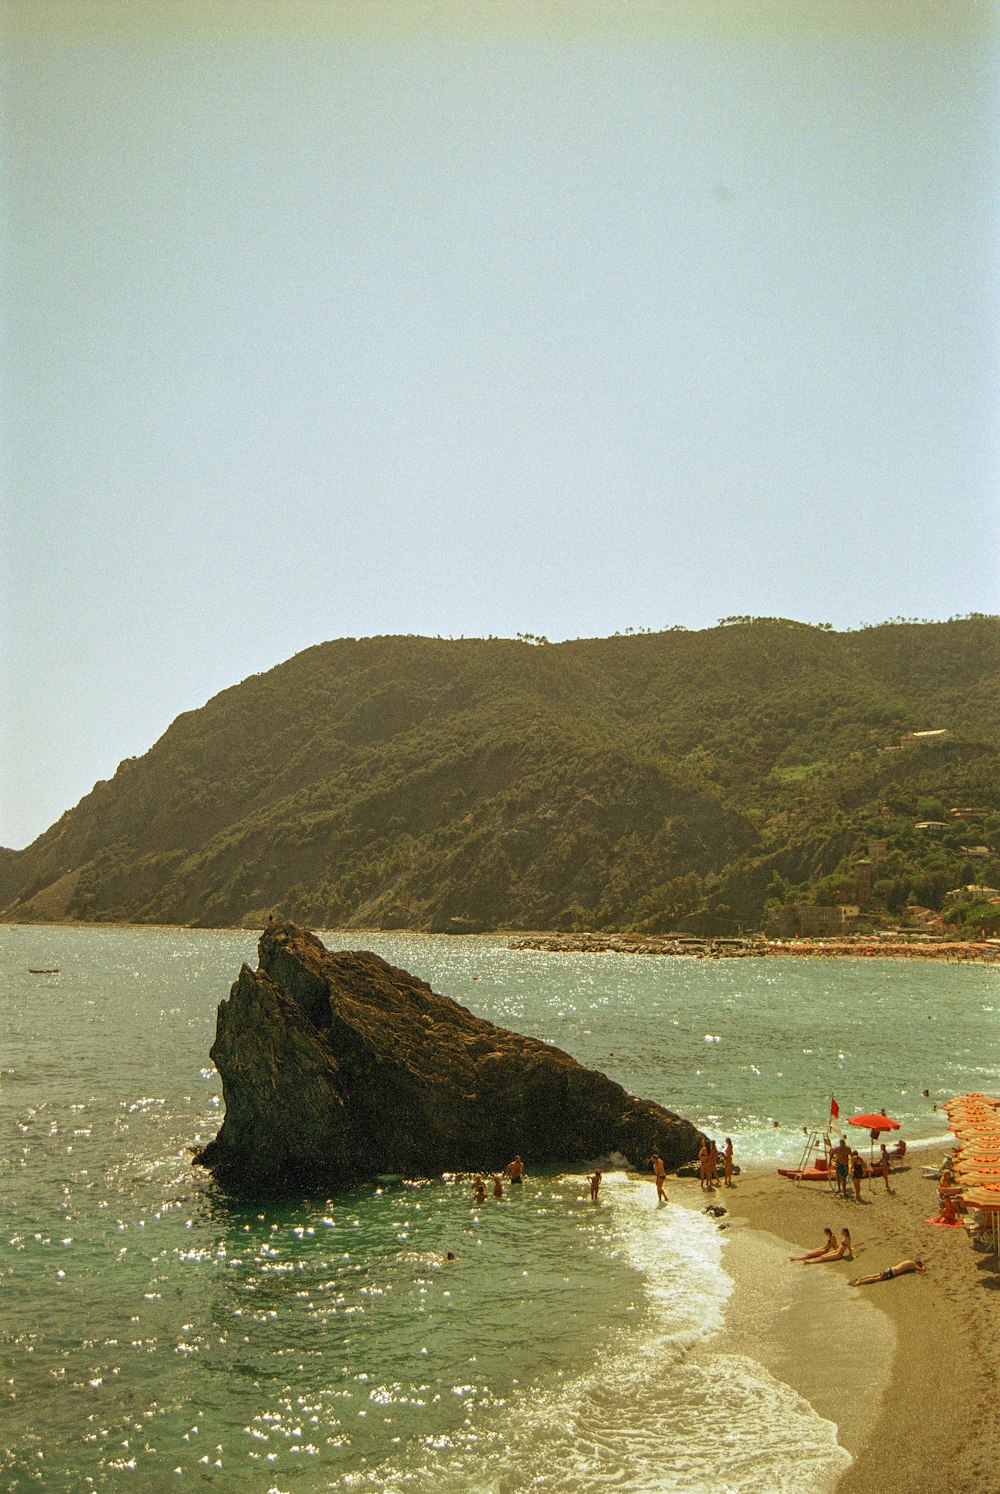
{"points": [[987, 1202], [874, 1122]]}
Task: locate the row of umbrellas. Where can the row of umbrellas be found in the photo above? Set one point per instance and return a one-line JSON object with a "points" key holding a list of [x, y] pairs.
{"points": [[975, 1121]]}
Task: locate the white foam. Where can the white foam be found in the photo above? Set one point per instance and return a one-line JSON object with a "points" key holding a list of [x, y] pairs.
{"points": [[667, 1406]]}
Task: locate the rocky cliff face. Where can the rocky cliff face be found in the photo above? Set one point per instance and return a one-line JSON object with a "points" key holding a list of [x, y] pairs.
{"points": [[338, 1067]]}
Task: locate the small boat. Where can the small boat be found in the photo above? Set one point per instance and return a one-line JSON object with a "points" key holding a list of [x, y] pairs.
{"points": [[33, 971], [807, 1174]]}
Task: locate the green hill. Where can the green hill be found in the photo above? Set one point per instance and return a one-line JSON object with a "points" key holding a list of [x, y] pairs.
{"points": [[650, 781]]}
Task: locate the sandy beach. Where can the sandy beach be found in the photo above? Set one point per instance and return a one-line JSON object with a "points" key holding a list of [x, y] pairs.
{"points": [[934, 1424]]}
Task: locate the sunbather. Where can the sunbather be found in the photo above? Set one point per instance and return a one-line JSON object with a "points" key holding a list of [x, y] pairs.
{"points": [[838, 1253], [828, 1246], [902, 1269]]}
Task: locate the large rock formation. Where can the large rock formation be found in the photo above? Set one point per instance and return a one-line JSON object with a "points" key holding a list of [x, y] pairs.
{"points": [[339, 1067]]}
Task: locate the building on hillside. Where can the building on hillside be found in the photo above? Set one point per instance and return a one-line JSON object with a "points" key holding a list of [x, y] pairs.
{"points": [[971, 893], [877, 850], [816, 919], [922, 918], [931, 827], [810, 920], [977, 853], [970, 814], [863, 881]]}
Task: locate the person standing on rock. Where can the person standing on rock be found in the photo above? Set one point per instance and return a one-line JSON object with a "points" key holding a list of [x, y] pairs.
{"points": [[515, 1170], [659, 1177]]}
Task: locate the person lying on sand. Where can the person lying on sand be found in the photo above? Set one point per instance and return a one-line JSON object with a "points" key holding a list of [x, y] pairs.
{"points": [[845, 1248], [827, 1248], [890, 1274]]}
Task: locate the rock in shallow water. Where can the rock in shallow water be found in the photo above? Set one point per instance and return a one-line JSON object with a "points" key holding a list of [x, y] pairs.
{"points": [[337, 1067]]}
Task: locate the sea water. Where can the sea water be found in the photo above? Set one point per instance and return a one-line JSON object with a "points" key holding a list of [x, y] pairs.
{"points": [[156, 1335]]}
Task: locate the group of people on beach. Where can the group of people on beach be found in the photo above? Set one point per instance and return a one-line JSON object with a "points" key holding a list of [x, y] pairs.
{"points": [[850, 1166], [708, 1167], [832, 1250], [708, 1163]]}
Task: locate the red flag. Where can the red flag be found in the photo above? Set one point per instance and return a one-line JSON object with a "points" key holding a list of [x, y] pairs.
{"points": [[834, 1109]]}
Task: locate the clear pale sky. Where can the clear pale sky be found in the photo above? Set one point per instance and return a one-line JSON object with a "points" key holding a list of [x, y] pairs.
{"points": [[338, 319]]}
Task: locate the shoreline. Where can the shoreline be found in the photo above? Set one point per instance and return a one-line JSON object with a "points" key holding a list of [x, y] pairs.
{"points": [[935, 1423], [688, 946], [756, 946]]}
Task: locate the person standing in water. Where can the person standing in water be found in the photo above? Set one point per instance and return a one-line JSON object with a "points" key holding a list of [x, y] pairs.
{"points": [[659, 1177], [595, 1184], [515, 1169]]}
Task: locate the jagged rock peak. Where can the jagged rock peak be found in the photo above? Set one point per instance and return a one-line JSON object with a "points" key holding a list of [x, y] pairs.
{"points": [[337, 1067]]}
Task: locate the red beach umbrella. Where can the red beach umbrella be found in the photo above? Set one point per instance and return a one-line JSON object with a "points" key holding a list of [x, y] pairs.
{"points": [[874, 1122]]}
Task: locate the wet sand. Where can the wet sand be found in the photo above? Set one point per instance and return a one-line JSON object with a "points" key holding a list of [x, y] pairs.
{"points": [[934, 1423]]}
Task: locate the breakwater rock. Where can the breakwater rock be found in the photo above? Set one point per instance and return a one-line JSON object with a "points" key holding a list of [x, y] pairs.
{"points": [[692, 945], [337, 1067]]}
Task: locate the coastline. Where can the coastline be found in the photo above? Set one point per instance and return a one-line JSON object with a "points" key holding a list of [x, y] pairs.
{"points": [[756, 946], [935, 1422], [688, 946]]}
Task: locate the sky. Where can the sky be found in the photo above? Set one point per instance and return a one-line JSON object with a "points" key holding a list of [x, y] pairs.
{"points": [[459, 318]]}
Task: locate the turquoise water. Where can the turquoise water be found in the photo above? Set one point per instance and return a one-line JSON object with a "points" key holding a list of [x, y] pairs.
{"points": [[156, 1336]]}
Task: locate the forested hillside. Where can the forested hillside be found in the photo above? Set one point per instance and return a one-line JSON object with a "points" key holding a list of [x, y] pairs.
{"points": [[648, 781]]}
